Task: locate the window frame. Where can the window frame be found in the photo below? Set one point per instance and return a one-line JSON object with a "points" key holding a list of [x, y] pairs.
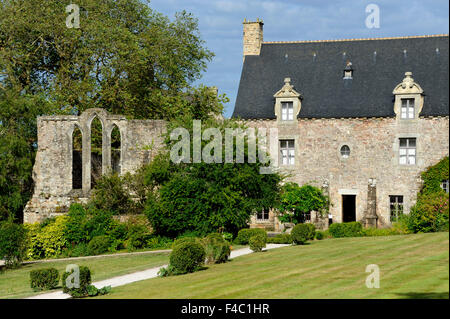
{"points": [[407, 108], [445, 185], [287, 111], [409, 151], [290, 150], [264, 214]]}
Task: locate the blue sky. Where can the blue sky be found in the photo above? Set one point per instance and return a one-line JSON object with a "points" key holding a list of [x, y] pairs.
{"points": [[220, 23]]}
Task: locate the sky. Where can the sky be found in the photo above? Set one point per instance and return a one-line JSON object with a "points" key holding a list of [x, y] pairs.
{"points": [[220, 24]]}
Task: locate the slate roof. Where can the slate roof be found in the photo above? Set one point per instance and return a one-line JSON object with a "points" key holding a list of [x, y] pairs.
{"points": [[316, 71]]}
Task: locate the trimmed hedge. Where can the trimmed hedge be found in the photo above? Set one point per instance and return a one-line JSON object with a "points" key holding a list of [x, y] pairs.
{"points": [[352, 229], [257, 243], [301, 233], [217, 249], [85, 282], [245, 234], [44, 279], [280, 239], [187, 257], [311, 231], [319, 235]]}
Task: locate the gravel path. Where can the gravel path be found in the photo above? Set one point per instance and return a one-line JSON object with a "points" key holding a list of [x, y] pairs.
{"points": [[140, 275]]}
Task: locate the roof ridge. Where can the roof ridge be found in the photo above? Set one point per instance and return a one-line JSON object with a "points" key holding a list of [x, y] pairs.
{"points": [[360, 39]]}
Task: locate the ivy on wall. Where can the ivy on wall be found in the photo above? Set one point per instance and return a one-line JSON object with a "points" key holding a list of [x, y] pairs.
{"points": [[433, 177]]}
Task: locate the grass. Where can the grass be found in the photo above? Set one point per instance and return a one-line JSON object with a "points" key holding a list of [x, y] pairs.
{"points": [[412, 266], [15, 283]]}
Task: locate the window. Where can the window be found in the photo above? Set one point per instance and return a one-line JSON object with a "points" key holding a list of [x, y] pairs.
{"points": [[445, 186], [287, 148], [263, 215], [407, 151], [396, 207], [407, 109], [287, 111], [345, 151]]}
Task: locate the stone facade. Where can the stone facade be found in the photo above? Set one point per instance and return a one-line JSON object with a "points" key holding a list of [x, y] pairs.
{"points": [[52, 172], [373, 159]]}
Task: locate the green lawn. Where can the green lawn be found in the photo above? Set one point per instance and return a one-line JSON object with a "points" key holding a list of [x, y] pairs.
{"points": [[412, 266], [16, 283]]}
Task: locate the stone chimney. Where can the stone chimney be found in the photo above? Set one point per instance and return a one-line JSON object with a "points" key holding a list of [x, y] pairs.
{"points": [[253, 37]]}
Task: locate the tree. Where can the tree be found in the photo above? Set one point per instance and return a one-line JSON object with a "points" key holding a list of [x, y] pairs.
{"points": [[12, 243], [125, 57], [205, 197], [296, 202]]}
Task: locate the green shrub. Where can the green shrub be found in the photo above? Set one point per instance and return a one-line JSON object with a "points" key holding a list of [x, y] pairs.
{"points": [[99, 222], [319, 235], [257, 242], [301, 233], [51, 238], [280, 239], [161, 242], [228, 237], [84, 280], [311, 231], [371, 232], [94, 291], [245, 234], [217, 249], [44, 279], [76, 231], [352, 229], [430, 214], [187, 257], [78, 250], [137, 237], [98, 245], [13, 243]]}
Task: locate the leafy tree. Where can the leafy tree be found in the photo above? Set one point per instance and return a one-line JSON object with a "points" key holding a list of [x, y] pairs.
{"points": [[13, 245], [205, 197], [125, 57], [296, 201]]}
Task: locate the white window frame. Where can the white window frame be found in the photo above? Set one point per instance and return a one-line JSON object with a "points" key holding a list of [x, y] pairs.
{"points": [[407, 154], [407, 108], [345, 151], [287, 111], [287, 151]]}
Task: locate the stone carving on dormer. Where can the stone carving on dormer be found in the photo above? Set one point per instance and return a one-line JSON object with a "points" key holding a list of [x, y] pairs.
{"points": [[408, 89], [287, 94]]}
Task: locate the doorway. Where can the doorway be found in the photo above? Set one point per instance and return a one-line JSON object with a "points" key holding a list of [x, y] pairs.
{"points": [[348, 208]]}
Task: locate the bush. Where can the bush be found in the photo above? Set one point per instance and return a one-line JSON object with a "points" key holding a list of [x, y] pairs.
{"points": [[245, 234], [217, 249], [138, 233], [78, 250], [430, 214], [85, 281], [301, 233], [352, 229], [280, 239], [76, 231], [311, 231], [161, 242], [319, 235], [228, 237], [13, 243], [94, 291], [98, 245], [187, 257], [257, 243], [44, 279], [51, 238], [370, 232]]}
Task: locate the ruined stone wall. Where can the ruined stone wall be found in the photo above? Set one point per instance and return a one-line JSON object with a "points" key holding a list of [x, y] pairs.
{"points": [[52, 172], [374, 147]]}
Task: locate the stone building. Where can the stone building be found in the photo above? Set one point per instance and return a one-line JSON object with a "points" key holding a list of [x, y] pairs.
{"points": [[360, 118]]}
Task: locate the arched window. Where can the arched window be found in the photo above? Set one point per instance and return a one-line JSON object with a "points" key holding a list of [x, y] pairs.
{"points": [[77, 166], [115, 149], [96, 151]]}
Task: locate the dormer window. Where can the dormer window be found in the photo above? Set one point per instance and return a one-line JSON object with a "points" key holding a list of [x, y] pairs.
{"points": [[287, 103], [348, 71], [287, 111], [408, 98], [407, 108]]}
